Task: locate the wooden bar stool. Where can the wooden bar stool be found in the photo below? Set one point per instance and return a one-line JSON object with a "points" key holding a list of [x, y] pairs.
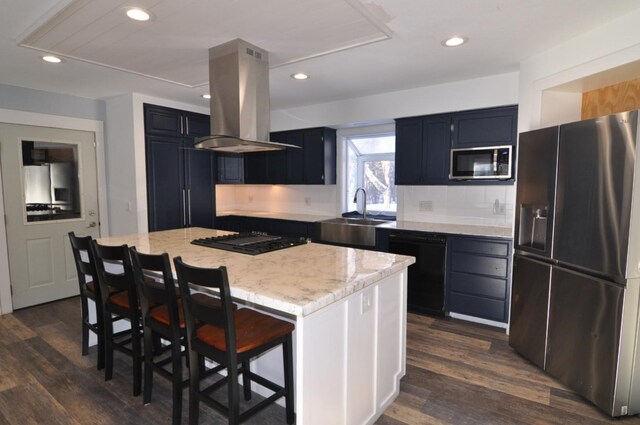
{"points": [[231, 339], [119, 301], [88, 291], [162, 317]]}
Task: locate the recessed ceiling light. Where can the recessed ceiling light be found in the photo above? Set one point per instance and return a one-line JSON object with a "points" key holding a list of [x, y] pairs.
{"points": [[51, 59], [300, 76], [138, 14], [206, 96], [454, 41]]}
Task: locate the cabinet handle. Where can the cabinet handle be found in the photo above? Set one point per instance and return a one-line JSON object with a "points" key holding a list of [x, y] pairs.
{"points": [[184, 208], [186, 119], [181, 126], [189, 205]]}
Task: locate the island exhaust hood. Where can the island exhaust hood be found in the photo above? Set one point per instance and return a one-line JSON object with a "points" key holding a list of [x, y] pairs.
{"points": [[239, 87]]}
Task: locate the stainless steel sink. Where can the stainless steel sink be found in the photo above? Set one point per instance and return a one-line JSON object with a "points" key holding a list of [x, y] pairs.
{"points": [[349, 231]]}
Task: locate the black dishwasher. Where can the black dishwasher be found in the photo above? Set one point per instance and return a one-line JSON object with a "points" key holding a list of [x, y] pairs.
{"points": [[425, 293]]}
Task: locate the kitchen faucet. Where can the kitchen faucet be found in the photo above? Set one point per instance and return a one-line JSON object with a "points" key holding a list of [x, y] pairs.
{"points": [[364, 201]]}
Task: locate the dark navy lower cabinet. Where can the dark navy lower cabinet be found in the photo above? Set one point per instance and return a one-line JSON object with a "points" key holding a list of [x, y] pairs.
{"points": [[272, 226], [478, 275]]}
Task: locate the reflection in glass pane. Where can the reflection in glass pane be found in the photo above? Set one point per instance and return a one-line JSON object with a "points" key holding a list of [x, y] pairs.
{"points": [[380, 185], [50, 175]]}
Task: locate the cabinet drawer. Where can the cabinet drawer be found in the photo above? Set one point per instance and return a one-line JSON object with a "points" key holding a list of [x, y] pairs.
{"points": [[478, 307], [478, 285], [480, 246], [471, 263]]}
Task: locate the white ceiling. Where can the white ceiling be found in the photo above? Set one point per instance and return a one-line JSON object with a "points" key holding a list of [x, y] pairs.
{"points": [[350, 48]]}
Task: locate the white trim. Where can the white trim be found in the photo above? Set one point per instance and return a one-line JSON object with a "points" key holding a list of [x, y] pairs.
{"points": [[478, 320], [10, 116]]}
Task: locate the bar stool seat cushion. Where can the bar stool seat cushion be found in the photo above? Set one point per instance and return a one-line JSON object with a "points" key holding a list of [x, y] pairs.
{"points": [[161, 313], [253, 329]]}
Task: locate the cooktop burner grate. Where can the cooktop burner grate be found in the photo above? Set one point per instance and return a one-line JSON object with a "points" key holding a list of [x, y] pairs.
{"points": [[248, 243]]}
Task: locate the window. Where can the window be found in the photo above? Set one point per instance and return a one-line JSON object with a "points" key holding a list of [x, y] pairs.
{"points": [[50, 178], [371, 165]]}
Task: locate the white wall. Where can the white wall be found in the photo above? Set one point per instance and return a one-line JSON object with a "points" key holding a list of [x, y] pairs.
{"points": [[496, 90], [126, 177], [611, 45]]}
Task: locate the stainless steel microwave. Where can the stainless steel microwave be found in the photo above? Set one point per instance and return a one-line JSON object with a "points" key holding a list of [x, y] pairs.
{"points": [[481, 163]]}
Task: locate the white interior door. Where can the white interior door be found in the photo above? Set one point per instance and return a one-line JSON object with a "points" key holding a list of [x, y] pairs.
{"points": [[49, 185]]}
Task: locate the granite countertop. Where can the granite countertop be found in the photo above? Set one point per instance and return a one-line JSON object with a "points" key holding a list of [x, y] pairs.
{"points": [[452, 229], [295, 281], [418, 226]]}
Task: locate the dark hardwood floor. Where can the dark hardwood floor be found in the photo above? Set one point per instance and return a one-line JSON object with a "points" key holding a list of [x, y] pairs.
{"points": [[457, 373]]}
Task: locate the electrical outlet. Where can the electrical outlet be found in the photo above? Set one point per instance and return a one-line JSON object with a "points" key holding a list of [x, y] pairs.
{"points": [[425, 205], [307, 201]]}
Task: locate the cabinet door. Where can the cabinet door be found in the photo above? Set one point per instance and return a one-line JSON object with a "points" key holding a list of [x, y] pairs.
{"points": [[165, 184], [277, 161], [408, 151], [489, 127], [163, 121], [295, 158], [196, 125], [230, 168], [313, 153], [436, 139], [199, 173], [255, 168]]}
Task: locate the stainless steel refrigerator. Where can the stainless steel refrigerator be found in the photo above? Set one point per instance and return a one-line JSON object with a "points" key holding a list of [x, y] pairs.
{"points": [[576, 270]]}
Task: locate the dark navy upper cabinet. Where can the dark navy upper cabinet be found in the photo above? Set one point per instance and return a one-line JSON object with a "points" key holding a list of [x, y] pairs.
{"points": [[295, 157], [435, 149], [408, 151], [180, 179], [315, 163], [488, 127], [422, 150], [169, 122], [423, 143]]}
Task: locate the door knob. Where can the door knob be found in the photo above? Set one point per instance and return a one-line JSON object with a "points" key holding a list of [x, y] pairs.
{"points": [[92, 224]]}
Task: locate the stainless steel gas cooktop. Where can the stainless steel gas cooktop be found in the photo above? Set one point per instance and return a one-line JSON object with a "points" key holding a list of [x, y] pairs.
{"points": [[249, 243]]}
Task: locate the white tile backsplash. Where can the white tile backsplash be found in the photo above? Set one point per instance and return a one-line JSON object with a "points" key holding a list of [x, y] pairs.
{"points": [[320, 200], [449, 204], [482, 205]]}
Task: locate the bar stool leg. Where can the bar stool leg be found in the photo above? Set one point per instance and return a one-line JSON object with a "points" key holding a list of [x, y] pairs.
{"points": [[246, 379], [108, 346], [194, 387], [234, 396], [176, 381], [137, 357], [148, 367]]}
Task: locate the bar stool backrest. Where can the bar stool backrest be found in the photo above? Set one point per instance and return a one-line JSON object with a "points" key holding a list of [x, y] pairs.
{"points": [[196, 314], [84, 267], [119, 272], [147, 268]]}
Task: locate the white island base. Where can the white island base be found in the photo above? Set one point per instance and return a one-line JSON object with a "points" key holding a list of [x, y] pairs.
{"points": [[349, 356]]}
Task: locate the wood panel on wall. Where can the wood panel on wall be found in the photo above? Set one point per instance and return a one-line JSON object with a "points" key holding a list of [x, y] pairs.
{"points": [[611, 99]]}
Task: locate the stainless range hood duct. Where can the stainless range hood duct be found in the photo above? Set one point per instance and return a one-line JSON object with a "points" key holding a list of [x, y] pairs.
{"points": [[239, 87]]}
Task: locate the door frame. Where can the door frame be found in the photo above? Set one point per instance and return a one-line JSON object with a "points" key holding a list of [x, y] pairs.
{"points": [[10, 116]]}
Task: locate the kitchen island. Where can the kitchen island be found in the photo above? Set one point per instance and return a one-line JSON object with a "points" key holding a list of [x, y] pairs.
{"points": [[348, 306]]}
